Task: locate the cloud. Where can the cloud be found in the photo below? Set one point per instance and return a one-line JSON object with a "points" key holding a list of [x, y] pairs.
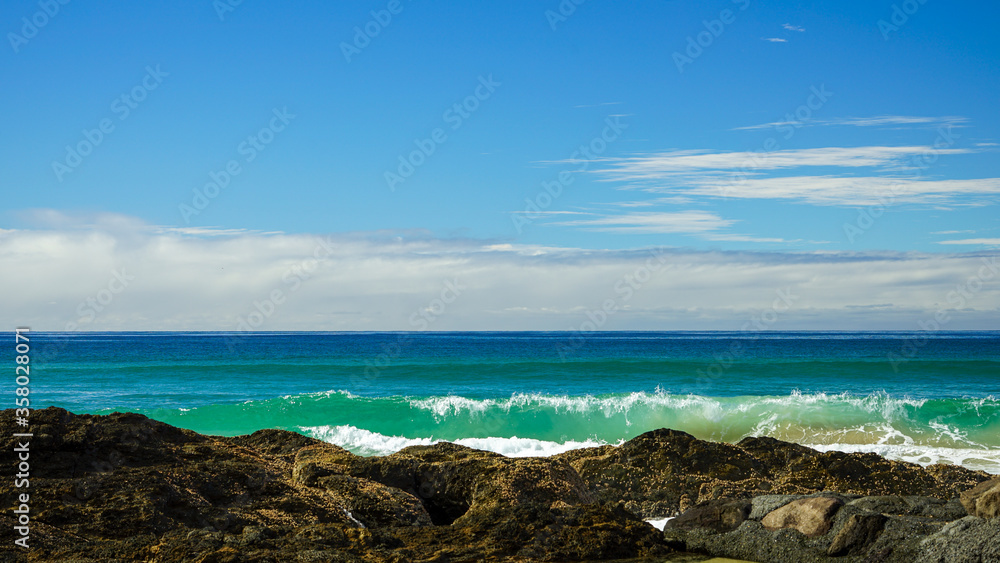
{"points": [[752, 175], [974, 241], [653, 222], [775, 39], [791, 27], [666, 164], [378, 281], [878, 121], [849, 191], [698, 223]]}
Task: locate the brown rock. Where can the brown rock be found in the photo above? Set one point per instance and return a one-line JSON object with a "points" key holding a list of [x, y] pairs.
{"points": [[859, 532], [983, 500], [811, 516]]}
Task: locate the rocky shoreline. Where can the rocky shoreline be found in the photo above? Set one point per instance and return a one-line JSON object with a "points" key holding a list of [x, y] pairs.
{"points": [[124, 487]]}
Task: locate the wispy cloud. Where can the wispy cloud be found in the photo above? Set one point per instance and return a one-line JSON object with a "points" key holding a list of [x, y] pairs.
{"points": [[665, 164], [877, 121], [702, 224], [775, 39], [791, 27], [653, 222], [755, 175], [852, 191], [974, 241]]}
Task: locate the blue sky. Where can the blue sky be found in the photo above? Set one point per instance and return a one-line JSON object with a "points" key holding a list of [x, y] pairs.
{"points": [[720, 130]]}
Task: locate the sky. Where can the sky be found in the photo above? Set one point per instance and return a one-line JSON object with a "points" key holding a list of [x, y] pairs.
{"points": [[536, 165]]}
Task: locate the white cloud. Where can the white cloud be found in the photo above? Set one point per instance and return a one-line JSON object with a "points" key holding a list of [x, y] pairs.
{"points": [[775, 39], [653, 222], [698, 223], [852, 191], [791, 27], [974, 241], [671, 163], [750, 175], [377, 281], [877, 121]]}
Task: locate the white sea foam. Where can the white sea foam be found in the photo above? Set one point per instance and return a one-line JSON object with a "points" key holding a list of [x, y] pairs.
{"points": [[659, 524], [368, 443], [976, 459]]}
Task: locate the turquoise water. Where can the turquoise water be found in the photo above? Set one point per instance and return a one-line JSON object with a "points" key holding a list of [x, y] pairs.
{"points": [[913, 396]]}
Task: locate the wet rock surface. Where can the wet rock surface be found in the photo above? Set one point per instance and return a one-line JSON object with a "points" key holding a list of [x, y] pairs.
{"points": [[123, 487]]}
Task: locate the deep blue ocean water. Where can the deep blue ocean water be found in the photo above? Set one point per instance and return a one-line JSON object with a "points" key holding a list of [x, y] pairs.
{"points": [[916, 396]]}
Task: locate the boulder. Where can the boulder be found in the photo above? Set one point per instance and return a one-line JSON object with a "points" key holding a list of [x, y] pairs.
{"points": [[857, 534], [717, 515], [811, 516], [983, 500], [968, 540]]}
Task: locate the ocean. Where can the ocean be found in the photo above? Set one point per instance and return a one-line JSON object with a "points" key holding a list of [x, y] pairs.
{"points": [[920, 397]]}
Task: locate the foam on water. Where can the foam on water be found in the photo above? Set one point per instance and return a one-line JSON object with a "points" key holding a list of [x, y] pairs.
{"points": [[659, 524], [367, 443], [963, 430]]}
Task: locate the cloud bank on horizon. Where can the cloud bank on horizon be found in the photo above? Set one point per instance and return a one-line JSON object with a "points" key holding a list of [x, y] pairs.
{"points": [[402, 166], [116, 273]]}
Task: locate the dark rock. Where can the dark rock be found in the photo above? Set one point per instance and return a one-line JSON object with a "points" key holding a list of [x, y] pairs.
{"points": [[857, 534], [968, 540], [123, 487], [661, 466], [718, 515], [895, 505]]}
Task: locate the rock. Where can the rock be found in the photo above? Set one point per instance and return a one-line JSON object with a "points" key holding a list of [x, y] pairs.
{"points": [[764, 504], [860, 531], [718, 515], [661, 467], [968, 540], [895, 505], [122, 487], [983, 500], [811, 516]]}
